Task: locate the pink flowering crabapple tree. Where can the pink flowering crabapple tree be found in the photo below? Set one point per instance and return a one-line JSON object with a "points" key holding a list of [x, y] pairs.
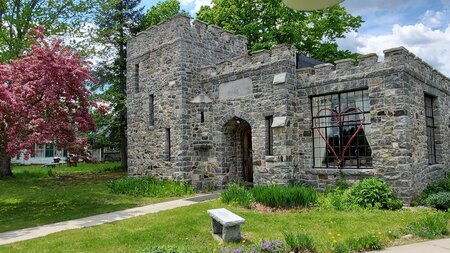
{"points": [[43, 98]]}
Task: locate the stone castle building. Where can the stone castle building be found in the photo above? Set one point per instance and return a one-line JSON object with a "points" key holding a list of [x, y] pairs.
{"points": [[203, 109]]}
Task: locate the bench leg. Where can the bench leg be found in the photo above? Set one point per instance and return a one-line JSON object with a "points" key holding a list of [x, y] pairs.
{"points": [[231, 234], [216, 227]]}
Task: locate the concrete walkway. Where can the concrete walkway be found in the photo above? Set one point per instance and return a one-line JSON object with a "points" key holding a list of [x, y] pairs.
{"points": [[436, 246], [40, 231]]}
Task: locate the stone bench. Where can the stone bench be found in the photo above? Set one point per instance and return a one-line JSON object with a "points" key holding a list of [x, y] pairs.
{"points": [[226, 224]]}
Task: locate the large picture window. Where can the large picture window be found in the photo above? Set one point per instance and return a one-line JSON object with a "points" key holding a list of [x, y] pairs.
{"points": [[341, 122], [429, 117]]}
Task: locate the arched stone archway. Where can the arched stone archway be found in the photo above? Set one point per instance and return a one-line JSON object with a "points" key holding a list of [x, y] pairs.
{"points": [[236, 150]]}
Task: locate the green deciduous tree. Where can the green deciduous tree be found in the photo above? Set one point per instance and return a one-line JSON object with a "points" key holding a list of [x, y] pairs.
{"points": [[17, 17], [117, 21], [160, 12], [269, 22]]}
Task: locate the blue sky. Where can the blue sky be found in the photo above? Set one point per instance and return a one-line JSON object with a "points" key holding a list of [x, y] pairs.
{"points": [[422, 26]]}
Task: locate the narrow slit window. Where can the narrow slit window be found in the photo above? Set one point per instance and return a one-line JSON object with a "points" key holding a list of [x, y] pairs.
{"points": [[202, 116], [269, 135], [151, 110], [430, 128], [136, 78], [168, 144]]}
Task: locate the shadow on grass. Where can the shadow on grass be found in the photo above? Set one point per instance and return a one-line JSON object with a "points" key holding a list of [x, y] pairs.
{"points": [[31, 213], [31, 199]]}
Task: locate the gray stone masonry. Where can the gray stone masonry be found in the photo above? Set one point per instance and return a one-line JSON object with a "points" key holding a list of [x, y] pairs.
{"points": [[203, 109]]}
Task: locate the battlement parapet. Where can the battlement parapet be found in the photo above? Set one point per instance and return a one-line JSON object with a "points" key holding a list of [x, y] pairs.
{"points": [[394, 57], [181, 27], [252, 60], [367, 60]]}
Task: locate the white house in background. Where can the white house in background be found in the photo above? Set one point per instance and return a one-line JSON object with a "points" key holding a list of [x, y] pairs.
{"points": [[106, 154], [43, 154]]}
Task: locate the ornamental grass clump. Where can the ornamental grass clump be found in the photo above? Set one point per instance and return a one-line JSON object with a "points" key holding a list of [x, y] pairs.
{"points": [[431, 226], [150, 187], [299, 242], [285, 196], [237, 194]]}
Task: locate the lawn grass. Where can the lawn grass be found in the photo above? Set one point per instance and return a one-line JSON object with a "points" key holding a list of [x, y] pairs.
{"points": [[34, 198], [189, 227], [38, 171]]}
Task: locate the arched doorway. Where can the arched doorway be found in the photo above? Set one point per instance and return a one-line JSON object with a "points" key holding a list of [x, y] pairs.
{"points": [[237, 149]]}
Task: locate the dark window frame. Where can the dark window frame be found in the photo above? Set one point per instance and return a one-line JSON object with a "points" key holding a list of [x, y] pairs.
{"points": [[430, 126], [151, 110], [269, 135], [364, 146], [136, 78], [168, 145], [49, 150], [202, 116]]}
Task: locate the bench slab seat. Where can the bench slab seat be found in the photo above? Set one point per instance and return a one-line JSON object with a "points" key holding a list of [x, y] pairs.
{"points": [[226, 224]]}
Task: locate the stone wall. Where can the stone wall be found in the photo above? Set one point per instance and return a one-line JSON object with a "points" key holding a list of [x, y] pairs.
{"points": [[167, 56], [397, 111], [256, 94]]}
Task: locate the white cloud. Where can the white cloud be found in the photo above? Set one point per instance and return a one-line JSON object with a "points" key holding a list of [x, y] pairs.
{"points": [[196, 4], [433, 19], [427, 43]]}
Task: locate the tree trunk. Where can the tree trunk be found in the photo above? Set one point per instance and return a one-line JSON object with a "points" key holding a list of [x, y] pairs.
{"points": [[5, 164], [123, 89]]}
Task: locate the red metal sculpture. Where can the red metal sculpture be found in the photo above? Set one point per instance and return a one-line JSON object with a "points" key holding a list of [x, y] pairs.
{"points": [[340, 117]]}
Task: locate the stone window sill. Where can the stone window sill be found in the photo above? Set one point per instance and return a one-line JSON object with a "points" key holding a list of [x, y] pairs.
{"points": [[436, 166], [345, 171]]}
